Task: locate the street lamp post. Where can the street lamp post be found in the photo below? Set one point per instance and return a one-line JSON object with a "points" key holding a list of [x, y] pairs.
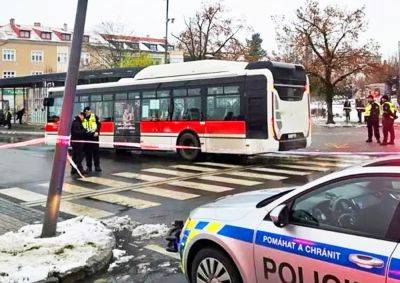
{"points": [[60, 155], [166, 33]]}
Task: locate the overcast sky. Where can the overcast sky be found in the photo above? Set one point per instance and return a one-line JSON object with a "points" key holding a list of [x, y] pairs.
{"points": [[147, 17]]}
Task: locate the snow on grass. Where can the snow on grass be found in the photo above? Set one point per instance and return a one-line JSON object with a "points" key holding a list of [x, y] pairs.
{"points": [[150, 231], [25, 257]]}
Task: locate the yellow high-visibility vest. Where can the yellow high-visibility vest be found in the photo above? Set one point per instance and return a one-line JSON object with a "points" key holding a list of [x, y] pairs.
{"points": [[90, 124]]}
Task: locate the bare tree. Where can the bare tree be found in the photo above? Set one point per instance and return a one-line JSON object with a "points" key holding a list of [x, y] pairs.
{"points": [[328, 43], [107, 49], [210, 34]]}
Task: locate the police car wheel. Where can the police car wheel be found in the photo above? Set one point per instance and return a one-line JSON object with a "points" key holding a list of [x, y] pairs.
{"points": [[213, 266]]}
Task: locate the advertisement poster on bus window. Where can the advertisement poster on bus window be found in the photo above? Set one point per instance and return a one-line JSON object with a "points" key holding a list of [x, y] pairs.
{"points": [[126, 115]]}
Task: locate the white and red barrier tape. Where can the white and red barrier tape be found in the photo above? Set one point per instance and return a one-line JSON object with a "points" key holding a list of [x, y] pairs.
{"points": [[67, 141]]}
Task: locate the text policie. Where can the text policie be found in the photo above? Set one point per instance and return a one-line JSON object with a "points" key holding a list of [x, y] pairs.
{"points": [[288, 274]]}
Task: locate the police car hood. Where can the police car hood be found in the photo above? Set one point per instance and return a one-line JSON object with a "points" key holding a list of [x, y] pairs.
{"points": [[235, 206]]}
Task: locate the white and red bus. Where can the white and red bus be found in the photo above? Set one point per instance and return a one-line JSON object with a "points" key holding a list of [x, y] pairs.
{"points": [[215, 106]]}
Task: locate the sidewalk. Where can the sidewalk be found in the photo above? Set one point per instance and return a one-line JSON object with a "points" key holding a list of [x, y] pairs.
{"points": [[24, 129], [14, 216]]}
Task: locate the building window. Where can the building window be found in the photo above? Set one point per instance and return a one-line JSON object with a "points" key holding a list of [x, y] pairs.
{"points": [[46, 35], [171, 48], [62, 58], [85, 58], [37, 56], [8, 74], [66, 36], [9, 55], [24, 34], [86, 38], [37, 73]]}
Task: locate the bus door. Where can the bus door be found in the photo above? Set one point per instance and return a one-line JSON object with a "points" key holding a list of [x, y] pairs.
{"points": [[127, 120], [256, 104]]}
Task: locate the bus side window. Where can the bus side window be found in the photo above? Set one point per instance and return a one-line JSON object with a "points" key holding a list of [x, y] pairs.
{"points": [[223, 103]]}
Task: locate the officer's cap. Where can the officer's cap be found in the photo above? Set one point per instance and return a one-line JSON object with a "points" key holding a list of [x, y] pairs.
{"points": [[385, 96], [87, 108]]}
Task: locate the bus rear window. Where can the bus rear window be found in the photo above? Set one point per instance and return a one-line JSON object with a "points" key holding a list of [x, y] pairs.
{"points": [[288, 93]]}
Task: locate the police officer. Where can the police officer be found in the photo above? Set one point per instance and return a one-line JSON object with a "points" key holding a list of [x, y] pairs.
{"points": [[78, 133], [388, 117], [371, 115], [92, 125]]}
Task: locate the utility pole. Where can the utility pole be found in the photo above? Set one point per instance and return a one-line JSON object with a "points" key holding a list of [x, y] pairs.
{"points": [[60, 155], [166, 33]]}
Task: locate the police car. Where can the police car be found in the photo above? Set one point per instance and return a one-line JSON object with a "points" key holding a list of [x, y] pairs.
{"points": [[341, 228]]}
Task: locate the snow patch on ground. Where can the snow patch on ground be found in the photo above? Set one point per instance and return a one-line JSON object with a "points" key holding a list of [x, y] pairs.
{"points": [[119, 257], [150, 231], [25, 257], [120, 223], [144, 267]]}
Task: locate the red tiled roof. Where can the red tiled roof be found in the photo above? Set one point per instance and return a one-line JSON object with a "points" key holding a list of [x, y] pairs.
{"points": [[135, 39]]}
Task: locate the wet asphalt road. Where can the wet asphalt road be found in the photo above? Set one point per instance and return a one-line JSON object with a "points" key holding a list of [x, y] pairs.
{"points": [[146, 182]]}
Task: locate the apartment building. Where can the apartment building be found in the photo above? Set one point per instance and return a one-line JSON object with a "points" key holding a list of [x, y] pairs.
{"points": [[35, 49]]}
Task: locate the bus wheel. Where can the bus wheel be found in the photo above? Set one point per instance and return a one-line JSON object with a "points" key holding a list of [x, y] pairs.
{"points": [[189, 139]]}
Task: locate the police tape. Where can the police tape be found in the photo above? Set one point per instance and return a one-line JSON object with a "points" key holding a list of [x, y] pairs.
{"points": [[73, 164], [22, 144], [65, 140]]}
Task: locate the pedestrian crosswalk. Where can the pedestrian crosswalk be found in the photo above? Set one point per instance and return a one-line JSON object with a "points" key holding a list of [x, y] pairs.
{"points": [[152, 187]]}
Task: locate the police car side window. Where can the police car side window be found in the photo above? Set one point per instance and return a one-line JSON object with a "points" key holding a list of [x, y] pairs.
{"points": [[363, 206]]}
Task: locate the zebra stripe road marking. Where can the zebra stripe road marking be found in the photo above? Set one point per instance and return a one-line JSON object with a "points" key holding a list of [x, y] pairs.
{"points": [[125, 201], [241, 182], [223, 165], [194, 168], [323, 164], [281, 171], [292, 166], [165, 193], [106, 182], [257, 175], [200, 186], [23, 195], [110, 198], [77, 209], [166, 171], [142, 177]]}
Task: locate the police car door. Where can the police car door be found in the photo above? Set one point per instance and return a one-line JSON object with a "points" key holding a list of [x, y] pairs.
{"points": [[339, 232]]}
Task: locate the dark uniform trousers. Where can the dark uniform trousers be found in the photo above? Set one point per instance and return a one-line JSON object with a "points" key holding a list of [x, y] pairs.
{"points": [[373, 128], [77, 155], [92, 154], [388, 129]]}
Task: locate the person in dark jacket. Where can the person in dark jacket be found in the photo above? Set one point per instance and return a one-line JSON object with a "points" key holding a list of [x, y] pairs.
{"points": [[20, 114], [78, 133]]}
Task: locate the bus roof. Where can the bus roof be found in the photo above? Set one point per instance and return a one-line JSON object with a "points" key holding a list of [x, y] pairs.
{"points": [[197, 70]]}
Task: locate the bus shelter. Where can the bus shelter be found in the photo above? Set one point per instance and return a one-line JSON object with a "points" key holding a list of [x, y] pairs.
{"points": [[28, 92]]}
